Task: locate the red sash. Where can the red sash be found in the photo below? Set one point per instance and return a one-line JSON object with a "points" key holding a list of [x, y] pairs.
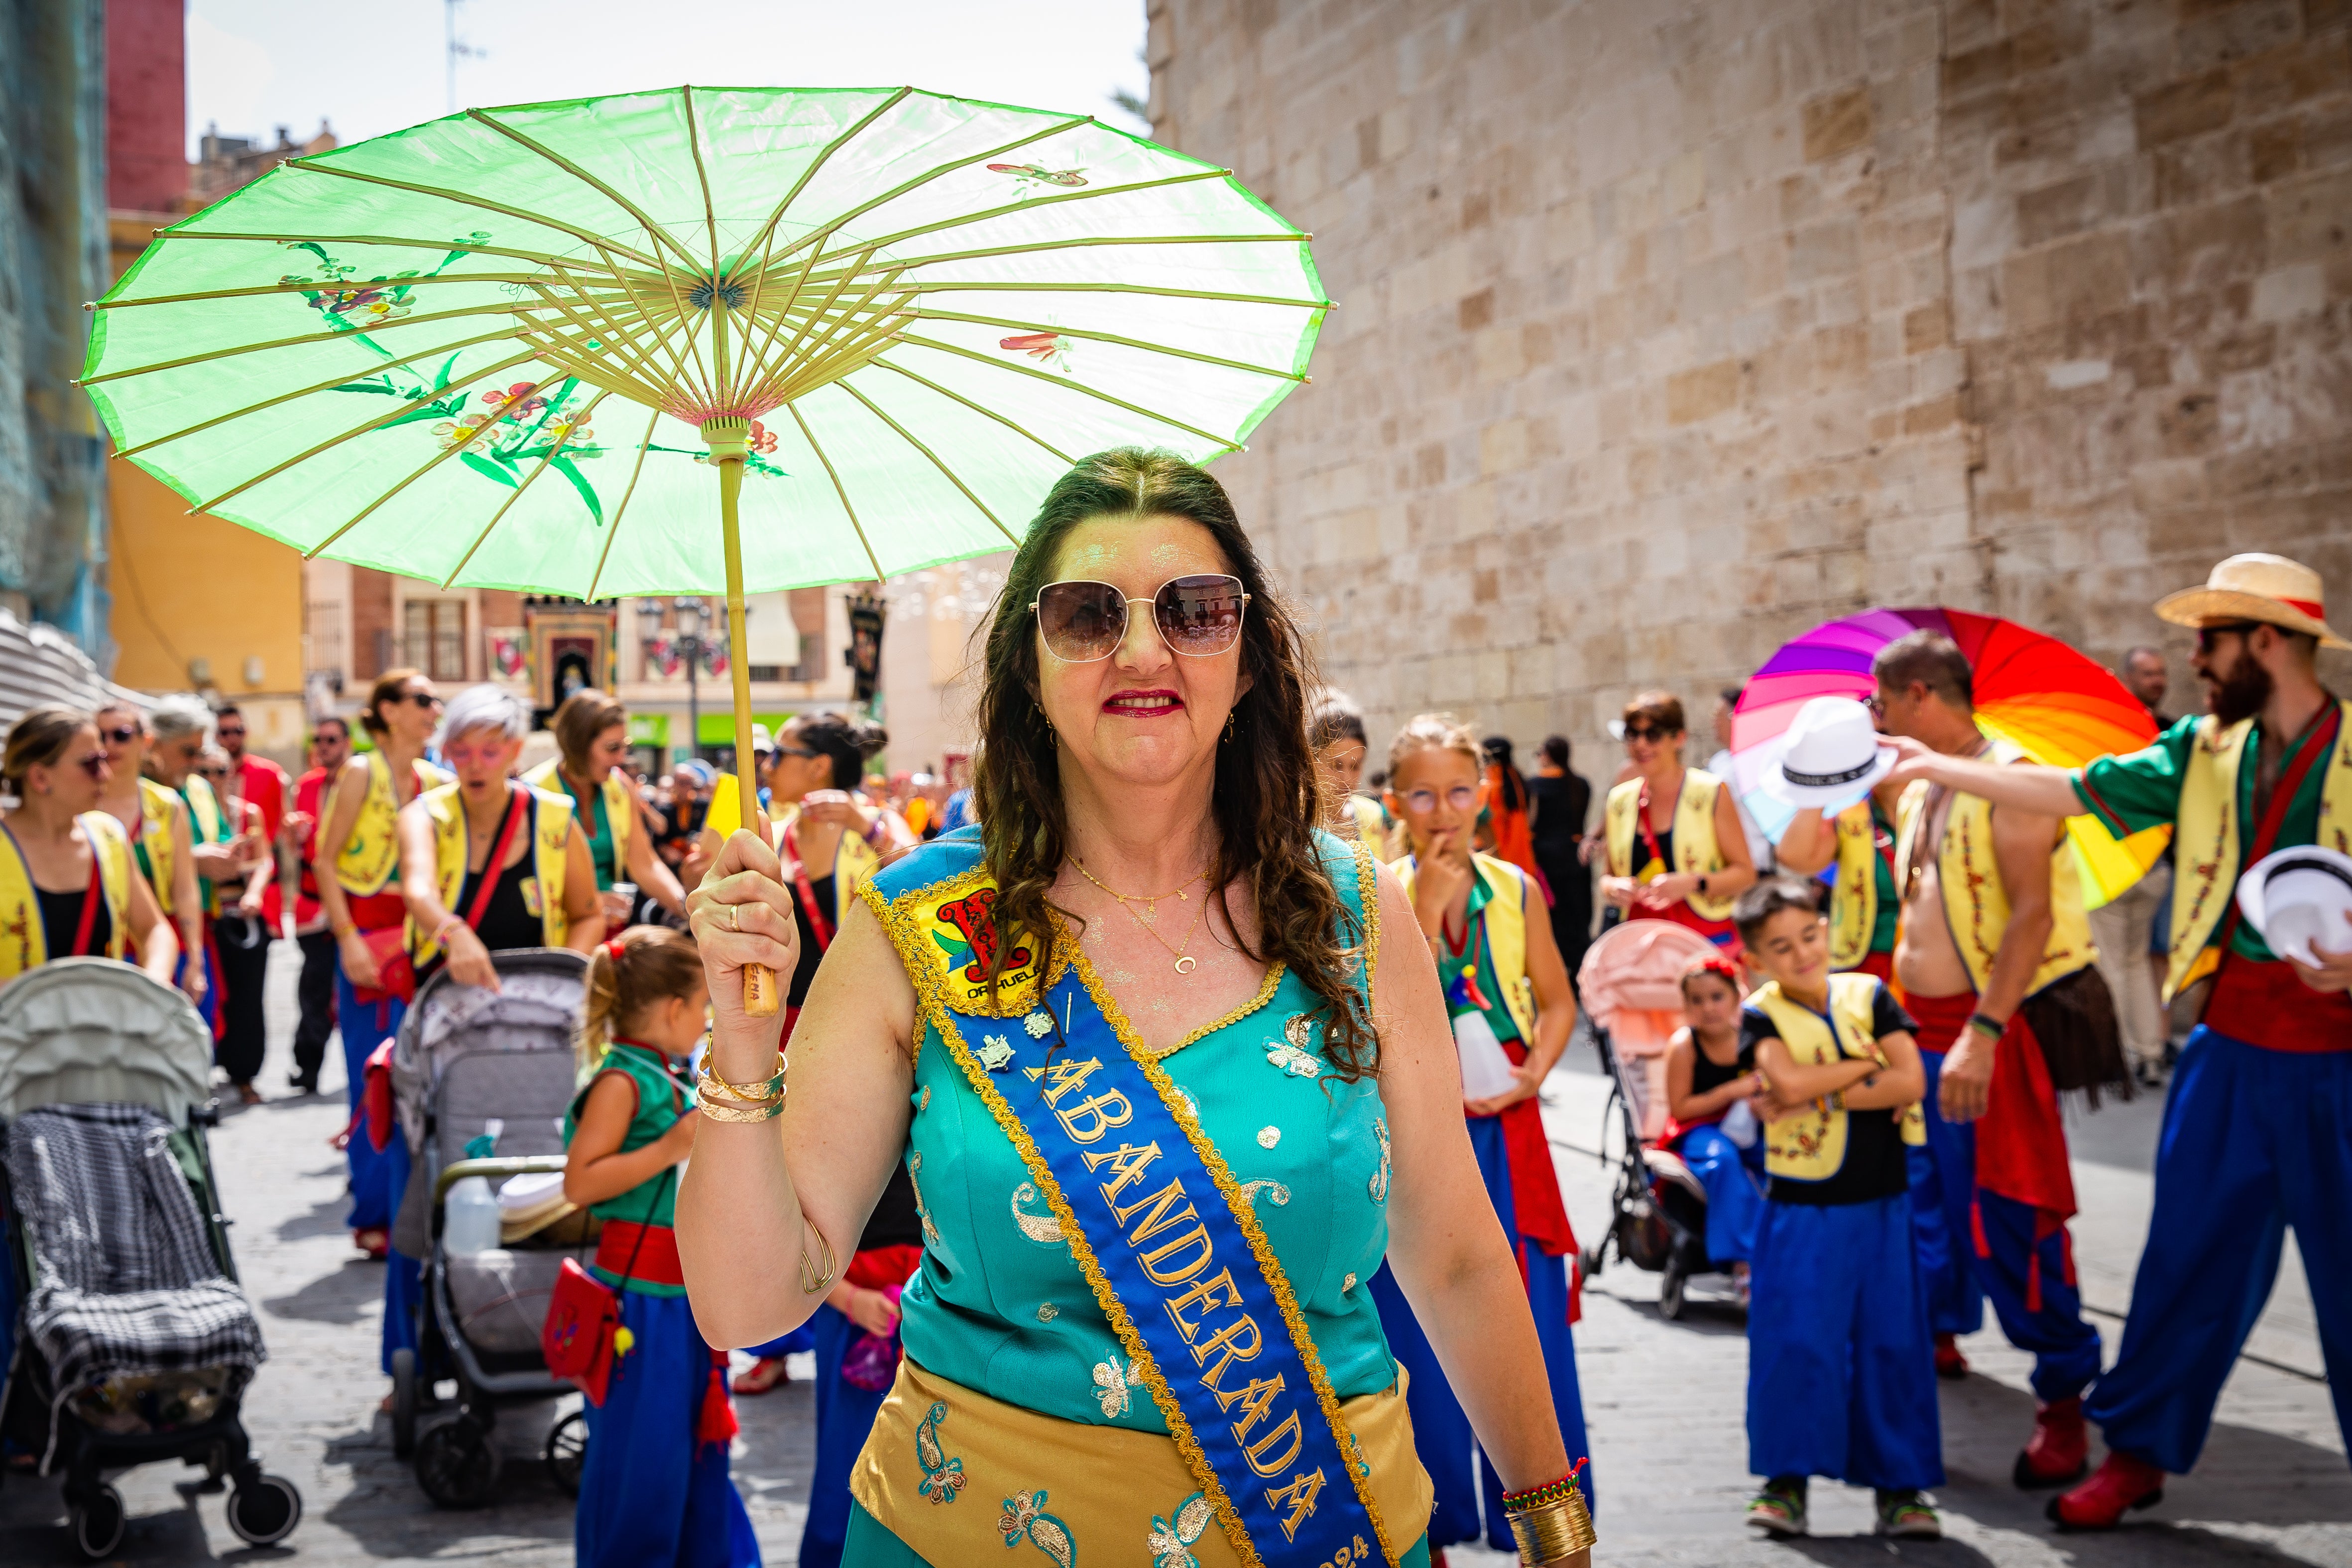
{"points": [[654, 1248], [2020, 1137]]}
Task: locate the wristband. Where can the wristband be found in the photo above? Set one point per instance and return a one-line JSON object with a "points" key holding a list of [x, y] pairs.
{"points": [[1991, 1028], [442, 930], [346, 929], [1702, 887]]}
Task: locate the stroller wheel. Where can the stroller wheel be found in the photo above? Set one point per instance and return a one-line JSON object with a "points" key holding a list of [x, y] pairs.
{"points": [[567, 1452], [404, 1404], [265, 1511], [1670, 1289], [97, 1522], [456, 1464]]}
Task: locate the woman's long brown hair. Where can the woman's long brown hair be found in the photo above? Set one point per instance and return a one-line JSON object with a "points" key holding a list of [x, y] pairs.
{"points": [[1265, 798]]}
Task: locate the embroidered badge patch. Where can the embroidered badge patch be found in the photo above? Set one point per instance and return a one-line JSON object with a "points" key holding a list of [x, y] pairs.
{"points": [[958, 926]]}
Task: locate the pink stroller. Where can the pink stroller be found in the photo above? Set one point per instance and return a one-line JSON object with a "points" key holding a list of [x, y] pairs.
{"points": [[1631, 983]]}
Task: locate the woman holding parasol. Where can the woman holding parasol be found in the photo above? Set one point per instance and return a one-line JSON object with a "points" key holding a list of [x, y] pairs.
{"points": [[1166, 1097]]}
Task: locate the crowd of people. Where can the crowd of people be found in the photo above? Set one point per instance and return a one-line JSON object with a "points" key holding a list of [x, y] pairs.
{"points": [[1168, 1151]]}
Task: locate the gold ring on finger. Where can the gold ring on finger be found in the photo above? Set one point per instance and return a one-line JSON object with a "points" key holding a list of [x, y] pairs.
{"points": [[734, 919]]}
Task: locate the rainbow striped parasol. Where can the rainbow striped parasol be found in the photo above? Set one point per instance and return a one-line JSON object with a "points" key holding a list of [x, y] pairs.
{"points": [[2031, 691]]}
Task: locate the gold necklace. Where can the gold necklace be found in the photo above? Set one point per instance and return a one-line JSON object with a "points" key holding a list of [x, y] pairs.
{"points": [[1151, 901], [1185, 963]]}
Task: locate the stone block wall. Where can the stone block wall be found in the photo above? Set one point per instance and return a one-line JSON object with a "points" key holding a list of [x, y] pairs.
{"points": [[1668, 331]]}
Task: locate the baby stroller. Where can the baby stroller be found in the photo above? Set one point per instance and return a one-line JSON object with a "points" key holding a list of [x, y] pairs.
{"points": [[1631, 983], [127, 1337], [494, 1071]]}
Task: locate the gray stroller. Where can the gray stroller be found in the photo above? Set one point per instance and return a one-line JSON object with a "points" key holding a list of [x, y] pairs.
{"points": [[127, 1336], [470, 1066]]}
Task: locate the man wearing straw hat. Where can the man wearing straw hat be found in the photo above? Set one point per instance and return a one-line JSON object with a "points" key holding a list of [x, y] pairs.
{"points": [[2258, 1134]]}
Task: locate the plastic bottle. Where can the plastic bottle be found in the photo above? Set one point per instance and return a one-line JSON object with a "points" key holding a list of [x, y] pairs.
{"points": [[470, 1222]]}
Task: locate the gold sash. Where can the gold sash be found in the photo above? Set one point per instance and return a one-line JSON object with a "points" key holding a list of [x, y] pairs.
{"points": [[950, 1471]]}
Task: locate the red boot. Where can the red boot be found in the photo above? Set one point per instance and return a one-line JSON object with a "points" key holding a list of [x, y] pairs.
{"points": [[1949, 1362], [2122, 1484], [2059, 1450]]}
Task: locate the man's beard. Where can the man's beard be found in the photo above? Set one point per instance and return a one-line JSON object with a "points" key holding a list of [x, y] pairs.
{"points": [[2241, 693]]}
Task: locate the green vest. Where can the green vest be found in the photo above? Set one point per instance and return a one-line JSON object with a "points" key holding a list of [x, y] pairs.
{"points": [[661, 1100]]}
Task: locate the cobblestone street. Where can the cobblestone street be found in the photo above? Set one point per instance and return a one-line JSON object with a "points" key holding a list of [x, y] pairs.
{"points": [[1663, 1399]]}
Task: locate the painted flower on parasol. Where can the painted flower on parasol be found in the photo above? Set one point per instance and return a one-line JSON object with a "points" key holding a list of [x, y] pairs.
{"points": [[865, 301], [2031, 691]]}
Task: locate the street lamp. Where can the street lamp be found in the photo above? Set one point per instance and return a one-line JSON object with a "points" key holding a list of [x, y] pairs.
{"points": [[689, 645]]}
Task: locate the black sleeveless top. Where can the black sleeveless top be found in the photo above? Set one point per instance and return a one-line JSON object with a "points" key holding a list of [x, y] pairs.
{"points": [[61, 918], [508, 922], [1707, 1077]]}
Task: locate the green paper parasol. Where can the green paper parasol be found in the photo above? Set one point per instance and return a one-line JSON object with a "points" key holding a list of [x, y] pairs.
{"points": [[528, 347]]}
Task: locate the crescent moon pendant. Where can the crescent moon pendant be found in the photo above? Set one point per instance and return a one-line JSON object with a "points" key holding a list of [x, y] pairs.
{"points": [[1184, 964]]}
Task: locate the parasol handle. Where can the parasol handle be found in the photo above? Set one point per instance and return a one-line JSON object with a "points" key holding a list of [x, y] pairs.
{"points": [[727, 441]]}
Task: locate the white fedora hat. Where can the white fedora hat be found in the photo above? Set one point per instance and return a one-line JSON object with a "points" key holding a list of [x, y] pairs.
{"points": [[2255, 587], [1830, 756], [2300, 899]]}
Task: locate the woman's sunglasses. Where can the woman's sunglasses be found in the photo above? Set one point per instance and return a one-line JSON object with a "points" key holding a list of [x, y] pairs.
{"points": [[121, 735], [1198, 617], [1644, 733], [422, 699]]}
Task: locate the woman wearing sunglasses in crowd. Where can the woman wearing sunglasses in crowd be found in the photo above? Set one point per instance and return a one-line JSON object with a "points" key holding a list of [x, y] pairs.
{"points": [[156, 820], [360, 841], [1169, 1088], [1676, 851], [590, 765], [67, 887]]}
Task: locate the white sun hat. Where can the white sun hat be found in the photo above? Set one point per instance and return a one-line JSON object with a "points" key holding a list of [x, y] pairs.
{"points": [[1830, 756], [2299, 900]]}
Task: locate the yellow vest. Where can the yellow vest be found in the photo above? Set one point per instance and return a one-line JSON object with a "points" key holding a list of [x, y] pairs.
{"points": [[1506, 914], [159, 812], [551, 838], [2207, 880], [854, 860], [620, 807], [1854, 900], [1976, 901], [1694, 846], [372, 854], [1808, 1143], [23, 944]]}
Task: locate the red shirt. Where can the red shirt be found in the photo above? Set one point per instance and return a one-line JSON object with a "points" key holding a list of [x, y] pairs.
{"points": [[263, 782], [306, 790]]}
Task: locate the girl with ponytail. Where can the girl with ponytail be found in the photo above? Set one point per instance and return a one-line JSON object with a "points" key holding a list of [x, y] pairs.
{"points": [[628, 1130]]}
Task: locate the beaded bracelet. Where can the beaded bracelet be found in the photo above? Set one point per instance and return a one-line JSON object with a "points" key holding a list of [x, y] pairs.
{"points": [[1551, 1493]]}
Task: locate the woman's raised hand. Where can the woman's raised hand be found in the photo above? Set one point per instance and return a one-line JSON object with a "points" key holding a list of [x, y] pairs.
{"points": [[741, 915]]}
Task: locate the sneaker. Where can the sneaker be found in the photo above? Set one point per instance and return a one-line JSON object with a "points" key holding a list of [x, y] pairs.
{"points": [[1950, 1364], [1908, 1515], [2059, 1451], [1778, 1510], [2119, 1486]]}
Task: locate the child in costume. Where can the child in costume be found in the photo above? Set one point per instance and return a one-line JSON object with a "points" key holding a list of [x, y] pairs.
{"points": [[1841, 1366], [1710, 1071], [1502, 979], [654, 1489]]}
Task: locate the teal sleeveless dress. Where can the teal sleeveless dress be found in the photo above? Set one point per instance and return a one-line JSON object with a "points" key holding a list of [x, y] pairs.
{"points": [[1000, 1306]]}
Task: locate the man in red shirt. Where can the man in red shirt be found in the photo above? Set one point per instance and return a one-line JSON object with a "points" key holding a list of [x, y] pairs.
{"points": [[297, 841], [264, 783]]}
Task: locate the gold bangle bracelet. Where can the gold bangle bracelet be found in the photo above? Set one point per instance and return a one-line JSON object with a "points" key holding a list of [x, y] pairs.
{"points": [[1553, 1533], [721, 1110], [816, 1282], [750, 1094]]}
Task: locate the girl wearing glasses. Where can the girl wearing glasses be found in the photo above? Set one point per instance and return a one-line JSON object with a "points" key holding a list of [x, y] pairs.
{"points": [[1506, 997], [66, 887], [1166, 1084], [360, 841], [1676, 851], [156, 819]]}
